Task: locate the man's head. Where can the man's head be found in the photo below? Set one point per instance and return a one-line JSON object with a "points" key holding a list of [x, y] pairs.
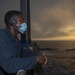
{"points": [[12, 15], [15, 19]]}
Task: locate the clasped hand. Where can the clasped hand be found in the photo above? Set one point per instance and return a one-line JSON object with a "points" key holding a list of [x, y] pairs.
{"points": [[42, 58]]}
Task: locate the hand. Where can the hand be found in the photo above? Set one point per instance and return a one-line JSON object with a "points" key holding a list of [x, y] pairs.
{"points": [[41, 58], [46, 59]]}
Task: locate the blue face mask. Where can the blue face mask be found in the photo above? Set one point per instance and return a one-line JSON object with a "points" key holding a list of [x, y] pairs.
{"points": [[23, 28]]}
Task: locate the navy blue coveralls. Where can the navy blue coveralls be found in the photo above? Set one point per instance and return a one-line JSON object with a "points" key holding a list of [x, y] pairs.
{"points": [[12, 56]]}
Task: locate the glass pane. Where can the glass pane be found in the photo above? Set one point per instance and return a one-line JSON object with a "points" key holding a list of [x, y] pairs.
{"points": [[53, 19]]}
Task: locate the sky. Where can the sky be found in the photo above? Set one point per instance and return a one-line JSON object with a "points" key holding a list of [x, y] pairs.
{"points": [[53, 19], [50, 19]]}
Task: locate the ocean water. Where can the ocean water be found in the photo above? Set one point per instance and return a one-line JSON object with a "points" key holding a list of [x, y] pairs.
{"points": [[61, 57], [58, 45]]}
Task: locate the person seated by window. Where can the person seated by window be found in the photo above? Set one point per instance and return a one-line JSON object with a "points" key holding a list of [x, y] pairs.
{"points": [[12, 56]]}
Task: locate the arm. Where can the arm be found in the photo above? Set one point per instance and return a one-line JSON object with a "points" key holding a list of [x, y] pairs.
{"points": [[41, 58], [28, 53], [12, 64]]}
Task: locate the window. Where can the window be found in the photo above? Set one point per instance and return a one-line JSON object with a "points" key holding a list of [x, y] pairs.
{"points": [[52, 19]]}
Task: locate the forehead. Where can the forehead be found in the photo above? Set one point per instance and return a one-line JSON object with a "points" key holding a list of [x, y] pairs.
{"points": [[19, 18]]}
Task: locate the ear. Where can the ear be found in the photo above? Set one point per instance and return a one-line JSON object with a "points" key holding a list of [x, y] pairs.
{"points": [[13, 22]]}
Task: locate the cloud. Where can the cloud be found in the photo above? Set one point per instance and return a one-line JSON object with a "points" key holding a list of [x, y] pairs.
{"points": [[52, 18]]}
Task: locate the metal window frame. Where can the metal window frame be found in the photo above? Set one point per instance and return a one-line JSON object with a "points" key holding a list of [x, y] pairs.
{"points": [[25, 9]]}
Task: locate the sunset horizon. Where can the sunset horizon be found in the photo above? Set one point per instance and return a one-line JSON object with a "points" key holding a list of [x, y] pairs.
{"points": [[64, 38]]}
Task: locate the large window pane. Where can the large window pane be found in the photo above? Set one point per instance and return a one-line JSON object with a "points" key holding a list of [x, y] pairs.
{"points": [[53, 19]]}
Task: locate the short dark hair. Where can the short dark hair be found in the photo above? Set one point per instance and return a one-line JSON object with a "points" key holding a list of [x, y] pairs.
{"points": [[10, 14]]}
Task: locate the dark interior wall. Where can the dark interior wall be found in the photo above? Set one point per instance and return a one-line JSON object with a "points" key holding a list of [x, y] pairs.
{"points": [[6, 5]]}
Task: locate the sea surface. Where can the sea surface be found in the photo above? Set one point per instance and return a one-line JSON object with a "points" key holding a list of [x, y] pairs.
{"points": [[61, 57]]}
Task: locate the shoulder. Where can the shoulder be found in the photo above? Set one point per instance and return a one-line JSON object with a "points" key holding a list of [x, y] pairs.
{"points": [[2, 32], [3, 35]]}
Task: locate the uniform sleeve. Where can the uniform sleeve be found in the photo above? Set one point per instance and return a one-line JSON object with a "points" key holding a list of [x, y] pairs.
{"points": [[11, 64], [28, 53]]}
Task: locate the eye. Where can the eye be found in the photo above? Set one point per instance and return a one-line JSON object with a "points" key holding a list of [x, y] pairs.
{"points": [[21, 20]]}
